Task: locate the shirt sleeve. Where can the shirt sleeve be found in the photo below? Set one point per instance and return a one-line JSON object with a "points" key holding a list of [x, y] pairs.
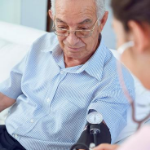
{"points": [[113, 106], [11, 87]]}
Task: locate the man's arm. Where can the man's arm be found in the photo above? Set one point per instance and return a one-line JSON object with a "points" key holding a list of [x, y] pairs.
{"points": [[5, 102], [106, 147]]}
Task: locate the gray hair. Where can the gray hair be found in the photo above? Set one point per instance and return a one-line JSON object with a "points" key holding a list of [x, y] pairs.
{"points": [[100, 6]]}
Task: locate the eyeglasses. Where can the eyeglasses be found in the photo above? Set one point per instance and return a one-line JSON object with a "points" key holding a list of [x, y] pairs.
{"points": [[78, 33]]}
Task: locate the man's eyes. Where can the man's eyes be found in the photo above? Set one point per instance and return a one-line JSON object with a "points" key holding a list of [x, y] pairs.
{"points": [[62, 27], [83, 28], [66, 27]]}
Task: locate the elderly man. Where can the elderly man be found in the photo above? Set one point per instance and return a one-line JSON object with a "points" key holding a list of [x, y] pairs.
{"points": [[61, 79]]}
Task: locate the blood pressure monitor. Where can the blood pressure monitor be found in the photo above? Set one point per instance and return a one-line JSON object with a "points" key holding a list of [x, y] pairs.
{"points": [[94, 118]]}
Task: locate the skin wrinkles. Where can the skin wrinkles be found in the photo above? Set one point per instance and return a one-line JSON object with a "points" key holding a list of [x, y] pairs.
{"points": [[75, 15], [86, 21], [84, 15], [64, 10]]}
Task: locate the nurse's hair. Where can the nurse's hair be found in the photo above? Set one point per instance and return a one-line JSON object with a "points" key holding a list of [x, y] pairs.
{"points": [[100, 6], [126, 10]]}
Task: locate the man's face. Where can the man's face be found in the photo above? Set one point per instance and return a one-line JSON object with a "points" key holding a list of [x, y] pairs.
{"points": [[77, 15]]}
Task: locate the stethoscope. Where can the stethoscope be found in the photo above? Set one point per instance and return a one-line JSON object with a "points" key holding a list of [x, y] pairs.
{"points": [[120, 50]]}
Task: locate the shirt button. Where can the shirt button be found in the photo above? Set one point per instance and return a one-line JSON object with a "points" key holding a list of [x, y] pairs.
{"points": [[16, 136], [31, 120], [61, 72], [48, 100]]}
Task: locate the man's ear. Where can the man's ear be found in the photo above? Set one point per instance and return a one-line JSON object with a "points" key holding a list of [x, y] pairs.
{"points": [[140, 34], [103, 21], [51, 15]]}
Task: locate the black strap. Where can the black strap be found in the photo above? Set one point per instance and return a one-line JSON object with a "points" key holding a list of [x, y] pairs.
{"points": [[87, 138]]}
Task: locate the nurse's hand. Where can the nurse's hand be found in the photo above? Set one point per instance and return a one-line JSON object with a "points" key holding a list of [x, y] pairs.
{"points": [[106, 147]]}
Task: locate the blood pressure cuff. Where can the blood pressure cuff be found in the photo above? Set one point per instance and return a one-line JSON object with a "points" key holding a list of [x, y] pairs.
{"points": [[87, 138]]}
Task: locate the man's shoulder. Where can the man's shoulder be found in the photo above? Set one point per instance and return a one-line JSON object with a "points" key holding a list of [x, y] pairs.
{"points": [[46, 41], [110, 62], [102, 63], [111, 73]]}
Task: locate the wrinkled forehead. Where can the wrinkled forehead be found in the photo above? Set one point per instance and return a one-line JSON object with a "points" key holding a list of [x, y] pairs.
{"points": [[75, 9]]}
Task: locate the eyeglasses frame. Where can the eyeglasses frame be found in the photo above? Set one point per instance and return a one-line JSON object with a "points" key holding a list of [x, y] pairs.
{"points": [[69, 31]]}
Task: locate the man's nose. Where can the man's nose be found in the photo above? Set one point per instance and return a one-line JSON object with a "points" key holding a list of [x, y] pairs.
{"points": [[72, 39]]}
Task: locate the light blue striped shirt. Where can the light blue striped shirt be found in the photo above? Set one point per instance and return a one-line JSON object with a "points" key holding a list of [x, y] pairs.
{"points": [[52, 101]]}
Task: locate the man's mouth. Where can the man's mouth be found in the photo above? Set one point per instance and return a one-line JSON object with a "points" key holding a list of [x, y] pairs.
{"points": [[74, 48]]}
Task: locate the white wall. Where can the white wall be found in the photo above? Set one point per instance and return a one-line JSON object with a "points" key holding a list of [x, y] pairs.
{"points": [[34, 13], [10, 11], [108, 33]]}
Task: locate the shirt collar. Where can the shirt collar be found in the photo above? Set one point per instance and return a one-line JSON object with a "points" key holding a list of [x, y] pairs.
{"points": [[51, 44], [50, 48], [94, 66]]}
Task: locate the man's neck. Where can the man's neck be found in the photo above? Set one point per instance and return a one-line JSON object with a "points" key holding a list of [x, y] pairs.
{"points": [[71, 62]]}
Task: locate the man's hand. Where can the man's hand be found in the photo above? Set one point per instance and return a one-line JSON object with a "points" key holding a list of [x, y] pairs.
{"points": [[5, 102], [106, 147]]}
